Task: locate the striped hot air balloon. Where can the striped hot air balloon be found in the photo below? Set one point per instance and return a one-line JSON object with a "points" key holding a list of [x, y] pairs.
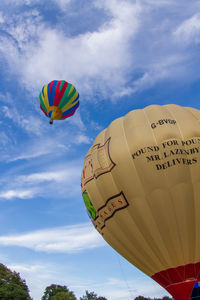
{"points": [[58, 100], [141, 187]]}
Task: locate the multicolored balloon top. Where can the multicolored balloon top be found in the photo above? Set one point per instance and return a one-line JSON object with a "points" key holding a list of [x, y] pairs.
{"points": [[59, 100]]}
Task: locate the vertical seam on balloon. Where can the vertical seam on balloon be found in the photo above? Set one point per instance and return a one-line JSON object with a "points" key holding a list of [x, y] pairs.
{"points": [[178, 230], [138, 227], [182, 136], [171, 203], [191, 112], [198, 119], [166, 180], [156, 142]]}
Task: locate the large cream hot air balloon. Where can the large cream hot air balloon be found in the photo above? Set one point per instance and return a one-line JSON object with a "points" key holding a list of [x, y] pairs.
{"points": [[141, 186]]}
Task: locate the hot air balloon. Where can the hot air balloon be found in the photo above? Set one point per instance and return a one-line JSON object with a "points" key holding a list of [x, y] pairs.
{"points": [[141, 187], [58, 100]]}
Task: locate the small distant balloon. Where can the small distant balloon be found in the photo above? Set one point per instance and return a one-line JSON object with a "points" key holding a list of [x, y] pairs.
{"points": [[59, 100]]}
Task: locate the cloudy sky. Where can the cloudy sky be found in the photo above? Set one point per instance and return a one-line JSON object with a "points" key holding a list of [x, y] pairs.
{"points": [[120, 55]]}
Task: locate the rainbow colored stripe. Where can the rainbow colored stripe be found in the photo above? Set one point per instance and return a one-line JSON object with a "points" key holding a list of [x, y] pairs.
{"points": [[59, 99]]}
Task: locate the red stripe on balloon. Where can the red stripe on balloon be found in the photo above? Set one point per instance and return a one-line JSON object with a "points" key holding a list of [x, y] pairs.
{"points": [[179, 281], [197, 270], [56, 97], [51, 84], [58, 93], [43, 110], [63, 90]]}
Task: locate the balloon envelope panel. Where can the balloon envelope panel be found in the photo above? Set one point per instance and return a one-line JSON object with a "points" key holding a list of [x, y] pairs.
{"points": [[142, 180]]}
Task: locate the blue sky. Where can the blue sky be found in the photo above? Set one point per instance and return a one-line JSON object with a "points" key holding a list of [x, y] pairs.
{"points": [[120, 55]]}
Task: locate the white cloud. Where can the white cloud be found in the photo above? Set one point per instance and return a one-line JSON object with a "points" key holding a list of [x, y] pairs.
{"points": [[138, 40], [42, 177], [20, 2], [30, 124], [1, 18], [26, 268], [63, 4], [44, 139], [160, 3], [189, 30], [67, 239], [56, 180], [67, 175], [25, 28], [96, 126], [169, 68], [4, 140], [34, 148], [93, 59], [76, 120], [30, 154], [13, 194], [82, 139]]}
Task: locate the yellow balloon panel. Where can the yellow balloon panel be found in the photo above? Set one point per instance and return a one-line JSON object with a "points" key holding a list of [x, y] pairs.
{"points": [[141, 179]]}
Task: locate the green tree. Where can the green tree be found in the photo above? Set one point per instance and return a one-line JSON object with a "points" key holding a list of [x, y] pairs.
{"points": [[64, 296], [53, 292], [12, 286], [60, 296], [91, 296]]}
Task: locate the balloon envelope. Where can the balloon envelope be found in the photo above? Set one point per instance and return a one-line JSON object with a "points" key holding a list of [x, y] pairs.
{"points": [[59, 100], [141, 187]]}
